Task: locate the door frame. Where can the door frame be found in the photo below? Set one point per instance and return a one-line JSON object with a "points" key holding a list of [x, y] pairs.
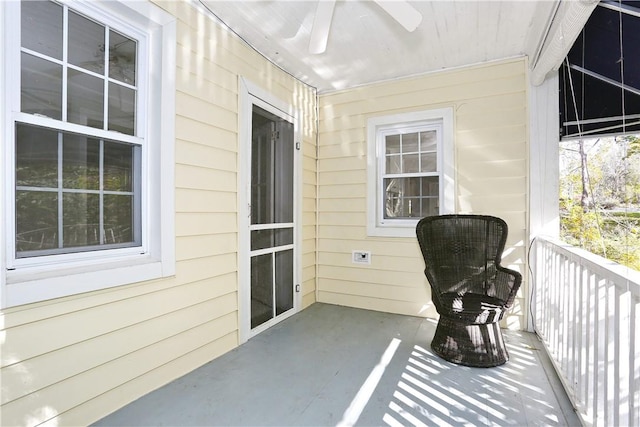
{"points": [[250, 94]]}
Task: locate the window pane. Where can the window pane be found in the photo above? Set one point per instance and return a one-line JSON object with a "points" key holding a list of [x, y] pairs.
{"points": [[36, 220], [80, 219], [41, 29], [410, 163], [80, 162], [393, 197], [392, 144], [430, 186], [261, 239], [85, 99], [86, 43], [412, 208], [410, 143], [118, 166], [393, 164], [41, 87], [428, 141], [122, 109], [411, 197], [118, 219], [271, 168], [430, 206], [430, 195], [411, 202], [284, 281], [261, 289], [122, 58], [429, 162], [36, 157]]}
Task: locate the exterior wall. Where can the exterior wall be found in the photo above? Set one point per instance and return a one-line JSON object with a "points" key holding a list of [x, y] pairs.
{"points": [[74, 360], [491, 146]]}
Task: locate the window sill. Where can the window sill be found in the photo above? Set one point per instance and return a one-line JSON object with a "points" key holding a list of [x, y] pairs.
{"points": [[28, 285], [407, 229]]}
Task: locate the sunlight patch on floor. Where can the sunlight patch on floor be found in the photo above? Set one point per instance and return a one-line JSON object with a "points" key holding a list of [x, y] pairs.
{"points": [[354, 410]]}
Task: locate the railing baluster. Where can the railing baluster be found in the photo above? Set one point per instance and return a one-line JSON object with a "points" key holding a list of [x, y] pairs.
{"points": [[557, 291], [593, 341], [572, 325], [600, 371], [550, 295], [592, 402], [611, 321], [623, 300], [620, 331], [583, 345], [634, 359]]}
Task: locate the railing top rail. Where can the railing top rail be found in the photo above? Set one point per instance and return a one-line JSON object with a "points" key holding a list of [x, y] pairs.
{"points": [[605, 268]]}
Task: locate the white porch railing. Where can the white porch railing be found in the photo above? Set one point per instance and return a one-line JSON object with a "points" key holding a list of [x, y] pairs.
{"points": [[587, 313]]}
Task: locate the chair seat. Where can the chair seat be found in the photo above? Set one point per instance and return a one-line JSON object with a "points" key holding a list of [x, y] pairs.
{"points": [[473, 308]]}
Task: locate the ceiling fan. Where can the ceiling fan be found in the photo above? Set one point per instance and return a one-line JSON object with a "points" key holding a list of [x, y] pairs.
{"points": [[400, 10]]}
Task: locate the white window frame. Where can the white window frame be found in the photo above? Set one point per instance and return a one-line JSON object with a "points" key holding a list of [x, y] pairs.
{"points": [[440, 120], [28, 280]]}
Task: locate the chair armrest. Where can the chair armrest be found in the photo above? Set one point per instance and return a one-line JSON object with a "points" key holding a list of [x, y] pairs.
{"points": [[507, 284]]}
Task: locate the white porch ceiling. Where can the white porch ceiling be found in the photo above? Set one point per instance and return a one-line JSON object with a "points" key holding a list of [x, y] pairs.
{"points": [[367, 45]]}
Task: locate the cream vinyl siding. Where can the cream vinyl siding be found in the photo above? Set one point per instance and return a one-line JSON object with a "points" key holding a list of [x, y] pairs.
{"points": [[490, 140], [74, 360]]}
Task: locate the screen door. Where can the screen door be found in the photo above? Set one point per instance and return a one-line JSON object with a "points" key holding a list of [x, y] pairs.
{"points": [[271, 217]]}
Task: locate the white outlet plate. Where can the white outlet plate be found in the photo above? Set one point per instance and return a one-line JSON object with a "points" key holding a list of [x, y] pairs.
{"points": [[361, 257]]}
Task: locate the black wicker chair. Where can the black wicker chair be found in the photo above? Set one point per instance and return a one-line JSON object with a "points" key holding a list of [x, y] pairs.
{"points": [[470, 289]]}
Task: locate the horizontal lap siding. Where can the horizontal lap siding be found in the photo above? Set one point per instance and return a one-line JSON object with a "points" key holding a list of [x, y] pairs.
{"points": [[490, 138], [74, 360]]}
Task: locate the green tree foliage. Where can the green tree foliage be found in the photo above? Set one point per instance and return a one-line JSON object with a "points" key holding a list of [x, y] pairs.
{"points": [[600, 197]]}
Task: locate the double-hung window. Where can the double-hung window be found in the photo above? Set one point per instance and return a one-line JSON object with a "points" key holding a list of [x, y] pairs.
{"points": [[77, 147], [85, 146], [410, 170]]}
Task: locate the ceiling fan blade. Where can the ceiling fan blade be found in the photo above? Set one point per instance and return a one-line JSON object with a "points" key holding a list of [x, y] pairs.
{"points": [[321, 26], [403, 12]]}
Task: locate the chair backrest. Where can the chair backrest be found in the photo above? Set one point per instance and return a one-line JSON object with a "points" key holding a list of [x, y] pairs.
{"points": [[461, 252]]}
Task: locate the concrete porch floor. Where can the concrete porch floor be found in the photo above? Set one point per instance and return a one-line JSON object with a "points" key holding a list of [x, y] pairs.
{"points": [[330, 365]]}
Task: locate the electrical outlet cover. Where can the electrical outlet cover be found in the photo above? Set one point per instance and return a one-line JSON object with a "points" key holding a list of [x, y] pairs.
{"points": [[361, 257]]}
